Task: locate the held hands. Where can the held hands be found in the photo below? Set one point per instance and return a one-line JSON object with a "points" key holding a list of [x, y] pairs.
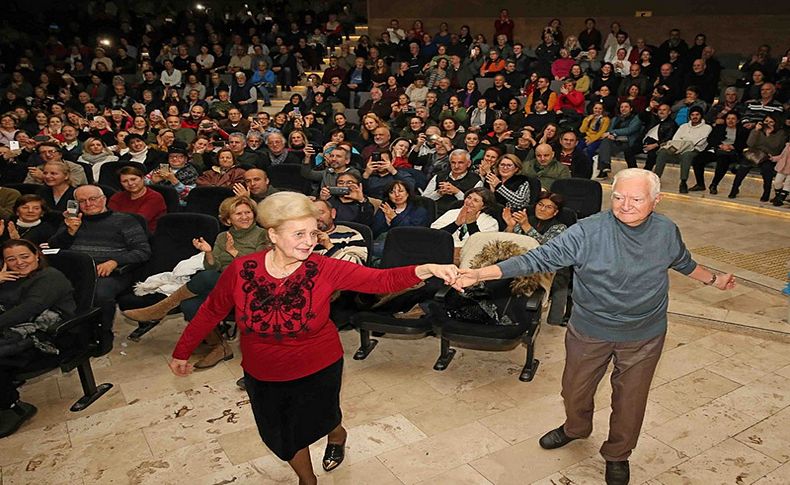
{"points": [[181, 368], [466, 277], [446, 272]]}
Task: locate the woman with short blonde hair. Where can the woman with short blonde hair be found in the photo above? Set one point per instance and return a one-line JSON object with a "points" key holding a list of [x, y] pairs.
{"points": [[292, 355]]}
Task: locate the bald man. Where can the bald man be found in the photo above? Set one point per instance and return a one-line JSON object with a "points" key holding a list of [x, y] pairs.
{"points": [[545, 167]]}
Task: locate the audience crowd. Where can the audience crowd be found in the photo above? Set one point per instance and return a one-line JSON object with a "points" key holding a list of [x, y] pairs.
{"points": [[390, 127]]}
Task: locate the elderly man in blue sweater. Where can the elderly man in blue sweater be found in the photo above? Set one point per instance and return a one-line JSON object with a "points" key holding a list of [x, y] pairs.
{"points": [[621, 292]]}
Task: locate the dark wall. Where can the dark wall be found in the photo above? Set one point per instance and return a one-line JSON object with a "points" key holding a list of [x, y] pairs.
{"points": [[731, 26]]}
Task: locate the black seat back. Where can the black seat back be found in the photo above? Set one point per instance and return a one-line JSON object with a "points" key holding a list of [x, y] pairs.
{"points": [[80, 269], [206, 200], [417, 245], [172, 241], [108, 173], [367, 235], [534, 189], [170, 195], [24, 189], [287, 176], [584, 196], [88, 169], [428, 204]]}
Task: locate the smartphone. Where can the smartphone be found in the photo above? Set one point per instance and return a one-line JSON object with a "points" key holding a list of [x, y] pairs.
{"points": [[297, 112], [13, 145], [218, 143], [376, 156], [339, 191], [41, 138], [164, 167], [72, 208]]}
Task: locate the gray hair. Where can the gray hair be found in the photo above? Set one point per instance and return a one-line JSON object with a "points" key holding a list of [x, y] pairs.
{"points": [[239, 135], [460, 152], [652, 179]]}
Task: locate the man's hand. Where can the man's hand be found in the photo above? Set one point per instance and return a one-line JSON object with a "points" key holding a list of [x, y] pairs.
{"points": [[324, 193], [725, 281], [355, 192], [323, 240], [36, 174], [241, 190], [72, 223], [181, 368], [104, 269]]}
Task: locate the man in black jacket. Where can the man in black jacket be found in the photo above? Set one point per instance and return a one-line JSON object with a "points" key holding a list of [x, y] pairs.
{"points": [[573, 157], [725, 142], [661, 129]]}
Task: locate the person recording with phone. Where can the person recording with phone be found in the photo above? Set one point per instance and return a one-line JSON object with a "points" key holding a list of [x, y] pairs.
{"points": [[336, 162], [380, 173], [348, 199]]}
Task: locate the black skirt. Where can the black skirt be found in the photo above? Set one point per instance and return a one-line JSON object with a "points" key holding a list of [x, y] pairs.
{"points": [[292, 415]]}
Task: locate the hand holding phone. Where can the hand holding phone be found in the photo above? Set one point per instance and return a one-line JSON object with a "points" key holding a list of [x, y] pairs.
{"points": [[72, 208]]}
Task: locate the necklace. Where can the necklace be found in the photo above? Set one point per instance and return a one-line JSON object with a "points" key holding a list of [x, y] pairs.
{"points": [[277, 272]]}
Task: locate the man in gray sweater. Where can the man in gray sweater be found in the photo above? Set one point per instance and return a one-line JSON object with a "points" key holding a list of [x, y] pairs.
{"points": [[621, 293]]}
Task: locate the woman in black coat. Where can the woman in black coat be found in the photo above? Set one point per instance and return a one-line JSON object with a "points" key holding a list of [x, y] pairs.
{"points": [[725, 144]]}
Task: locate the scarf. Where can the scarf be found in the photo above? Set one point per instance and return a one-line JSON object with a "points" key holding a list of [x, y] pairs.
{"points": [[27, 225], [94, 159], [278, 159], [138, 156]]}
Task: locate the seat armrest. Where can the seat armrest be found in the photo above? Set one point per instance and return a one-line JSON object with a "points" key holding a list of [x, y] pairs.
{"points": [[440, 295], [535, 300], [89, 317], [127, 268]]}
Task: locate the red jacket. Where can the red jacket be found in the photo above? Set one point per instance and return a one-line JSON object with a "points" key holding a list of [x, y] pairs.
{"points": [[573, 100], [284, 326]]}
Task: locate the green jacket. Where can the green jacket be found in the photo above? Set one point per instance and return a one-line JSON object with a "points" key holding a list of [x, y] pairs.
{"points": [[548, 174]]}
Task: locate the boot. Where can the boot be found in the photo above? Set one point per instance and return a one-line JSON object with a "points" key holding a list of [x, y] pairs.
{"points": [[780, 197], [714, 189], [733, 193], [684, 189], [220, 350], [159, 310], [766, 195]]}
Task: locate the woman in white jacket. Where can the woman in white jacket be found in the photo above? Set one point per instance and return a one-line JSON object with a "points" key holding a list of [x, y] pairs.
{"points": [[470, 218]]}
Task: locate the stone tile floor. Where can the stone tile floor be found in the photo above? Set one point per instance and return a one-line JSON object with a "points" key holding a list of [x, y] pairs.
{"points": [[719, 411]]}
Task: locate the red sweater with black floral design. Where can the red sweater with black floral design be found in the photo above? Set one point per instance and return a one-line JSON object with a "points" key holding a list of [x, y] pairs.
{"points": [[284, 326]]}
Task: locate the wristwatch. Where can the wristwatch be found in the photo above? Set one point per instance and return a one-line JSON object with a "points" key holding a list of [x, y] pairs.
{"points": [[712, 280]]}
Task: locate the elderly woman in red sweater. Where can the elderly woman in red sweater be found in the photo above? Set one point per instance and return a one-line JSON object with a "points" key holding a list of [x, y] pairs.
{"points": [[291, 351], [137, 198]]}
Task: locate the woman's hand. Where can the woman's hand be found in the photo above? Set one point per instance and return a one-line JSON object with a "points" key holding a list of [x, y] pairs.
{"points": [[493, 181], [507, 216], [447, 272], [389, 212], [181, 368], [522, 219], [36, 174], [230, 245], [6, 275], [201, 245]]}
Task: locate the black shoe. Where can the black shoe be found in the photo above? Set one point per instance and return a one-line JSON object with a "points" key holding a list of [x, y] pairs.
{"points": [[684, 189], [602, 174], [617, 473], [241, 384], [11, 419], [765, 197], [105, 345], [555, 438], [697, 188], [333, 456], [733, 194], [713, 190]]}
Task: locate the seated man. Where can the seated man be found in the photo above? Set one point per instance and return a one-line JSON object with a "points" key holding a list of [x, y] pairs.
{"points": [[235, 122], [573, 157], [256, 185], [449, 186], [756, 109], [624, 134], [539, 118], [377, 105], [336, 240], [353, 206], [545, 167], [661, 129], [245, 157], [114, 240], [690, 139]]}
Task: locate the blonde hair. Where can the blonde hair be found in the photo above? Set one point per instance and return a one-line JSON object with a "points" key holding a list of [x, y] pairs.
{"points": [[65, 168], [281, 207], [516, 161], [229, 205]]}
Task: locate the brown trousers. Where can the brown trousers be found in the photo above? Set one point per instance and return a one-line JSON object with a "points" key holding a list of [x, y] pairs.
{"points": [[585, 365]]}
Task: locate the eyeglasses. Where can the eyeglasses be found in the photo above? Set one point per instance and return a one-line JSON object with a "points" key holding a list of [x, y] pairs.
{"points": [[92, 200], [546, 206], [506, 165]]}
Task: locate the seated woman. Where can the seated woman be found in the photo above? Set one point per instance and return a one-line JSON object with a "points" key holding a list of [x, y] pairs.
{"points": [[767, 139], [453, 130], [397, 210], [470, 218], [638, 101], [224, 173], [455, 109], [33, 297], [30, 221], [96, 153], [540, 222], [58, 185], [244, 237], [593, 129], [510, 188], [137, 198]]}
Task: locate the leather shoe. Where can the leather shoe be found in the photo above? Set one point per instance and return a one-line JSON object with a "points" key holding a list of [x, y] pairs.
{"points": [[555, 438], [714, 190], [617, 473], [684, 189], [11, 419], [697, 188], [333, 456]]}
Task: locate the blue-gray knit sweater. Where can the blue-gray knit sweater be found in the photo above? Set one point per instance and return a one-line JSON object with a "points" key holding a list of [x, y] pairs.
{"points": [[620, 285]]}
